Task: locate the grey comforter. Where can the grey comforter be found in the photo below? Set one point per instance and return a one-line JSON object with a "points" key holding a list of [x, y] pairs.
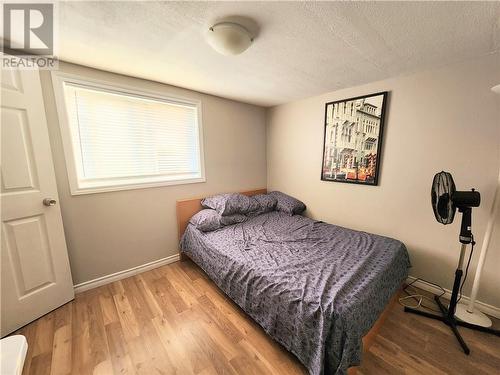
{"points": [[316, 288]]}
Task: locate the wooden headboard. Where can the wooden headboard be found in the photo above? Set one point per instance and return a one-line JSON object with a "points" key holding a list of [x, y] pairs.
{"points": [[186, 208]]}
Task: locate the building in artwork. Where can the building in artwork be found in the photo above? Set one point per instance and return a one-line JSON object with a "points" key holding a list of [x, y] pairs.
{"points": [[351, 140]]}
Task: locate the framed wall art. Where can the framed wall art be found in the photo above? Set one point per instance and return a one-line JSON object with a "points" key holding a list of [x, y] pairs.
{"points": [[353, 139]]}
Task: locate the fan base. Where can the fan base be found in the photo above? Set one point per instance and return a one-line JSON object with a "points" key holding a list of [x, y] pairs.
{"points": [[476, 317]]}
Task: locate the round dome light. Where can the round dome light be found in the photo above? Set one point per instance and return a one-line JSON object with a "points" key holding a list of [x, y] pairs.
{"points": [[496, 89], [229, 38]]}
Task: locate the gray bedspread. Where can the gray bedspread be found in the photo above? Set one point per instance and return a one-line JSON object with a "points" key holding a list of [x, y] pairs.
{"points": [[314, 287]]}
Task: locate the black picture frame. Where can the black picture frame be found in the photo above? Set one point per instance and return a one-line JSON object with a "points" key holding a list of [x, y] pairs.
{"points": [[368, 173]]}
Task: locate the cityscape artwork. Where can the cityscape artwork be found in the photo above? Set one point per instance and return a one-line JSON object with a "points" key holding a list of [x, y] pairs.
{"points": [[353, 139]]}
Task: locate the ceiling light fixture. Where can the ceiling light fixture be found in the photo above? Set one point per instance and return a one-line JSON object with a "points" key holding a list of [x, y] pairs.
{"points": [[229, 38]]}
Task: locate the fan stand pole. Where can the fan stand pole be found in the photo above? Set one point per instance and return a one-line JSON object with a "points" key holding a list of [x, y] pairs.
{"points": [[448, 314]]}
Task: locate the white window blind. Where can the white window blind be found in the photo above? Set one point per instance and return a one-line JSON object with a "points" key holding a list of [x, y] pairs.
{"points": [[122, 139]]}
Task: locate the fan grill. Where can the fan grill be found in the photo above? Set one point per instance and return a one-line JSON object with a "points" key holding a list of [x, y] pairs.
{"points": [[442, 192]]}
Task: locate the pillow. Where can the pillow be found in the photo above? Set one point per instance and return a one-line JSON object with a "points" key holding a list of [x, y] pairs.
{"points": [[288, 204], [208, 220], [266, 203], [230, 204]]}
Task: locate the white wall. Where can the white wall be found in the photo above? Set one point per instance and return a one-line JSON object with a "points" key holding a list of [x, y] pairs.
{"points": [[114, 231], [444, 119]]}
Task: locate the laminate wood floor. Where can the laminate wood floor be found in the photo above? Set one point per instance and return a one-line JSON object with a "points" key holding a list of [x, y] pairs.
{"points": [[174, 320]]}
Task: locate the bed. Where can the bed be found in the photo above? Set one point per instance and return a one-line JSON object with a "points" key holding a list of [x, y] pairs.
{"points": [[320, 290]]}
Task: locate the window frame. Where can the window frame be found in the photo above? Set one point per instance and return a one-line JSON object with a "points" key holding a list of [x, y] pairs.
{"points": [[71, 158]]}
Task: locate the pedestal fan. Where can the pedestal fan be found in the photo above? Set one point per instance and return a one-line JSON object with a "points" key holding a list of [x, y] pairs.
{"points": [[445, 201]]}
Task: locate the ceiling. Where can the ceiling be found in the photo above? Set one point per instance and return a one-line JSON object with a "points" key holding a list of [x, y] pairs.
{"points": [[301, 49]]}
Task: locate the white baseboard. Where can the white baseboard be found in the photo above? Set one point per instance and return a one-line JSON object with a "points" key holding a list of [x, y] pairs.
{"points": [[103, 280], [484, 307]]}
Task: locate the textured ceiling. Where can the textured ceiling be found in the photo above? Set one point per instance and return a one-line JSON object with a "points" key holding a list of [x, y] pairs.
{"points": [[302, 48]]}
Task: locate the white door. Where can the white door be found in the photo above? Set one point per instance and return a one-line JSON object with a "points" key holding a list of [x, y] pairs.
{"points": [[35, 273]]}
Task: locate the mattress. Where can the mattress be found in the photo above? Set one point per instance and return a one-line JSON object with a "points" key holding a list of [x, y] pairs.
{"points": [[314, 287]]}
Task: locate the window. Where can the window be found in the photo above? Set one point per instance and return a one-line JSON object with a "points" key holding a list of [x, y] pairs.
{"points": [[119, 138]]}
